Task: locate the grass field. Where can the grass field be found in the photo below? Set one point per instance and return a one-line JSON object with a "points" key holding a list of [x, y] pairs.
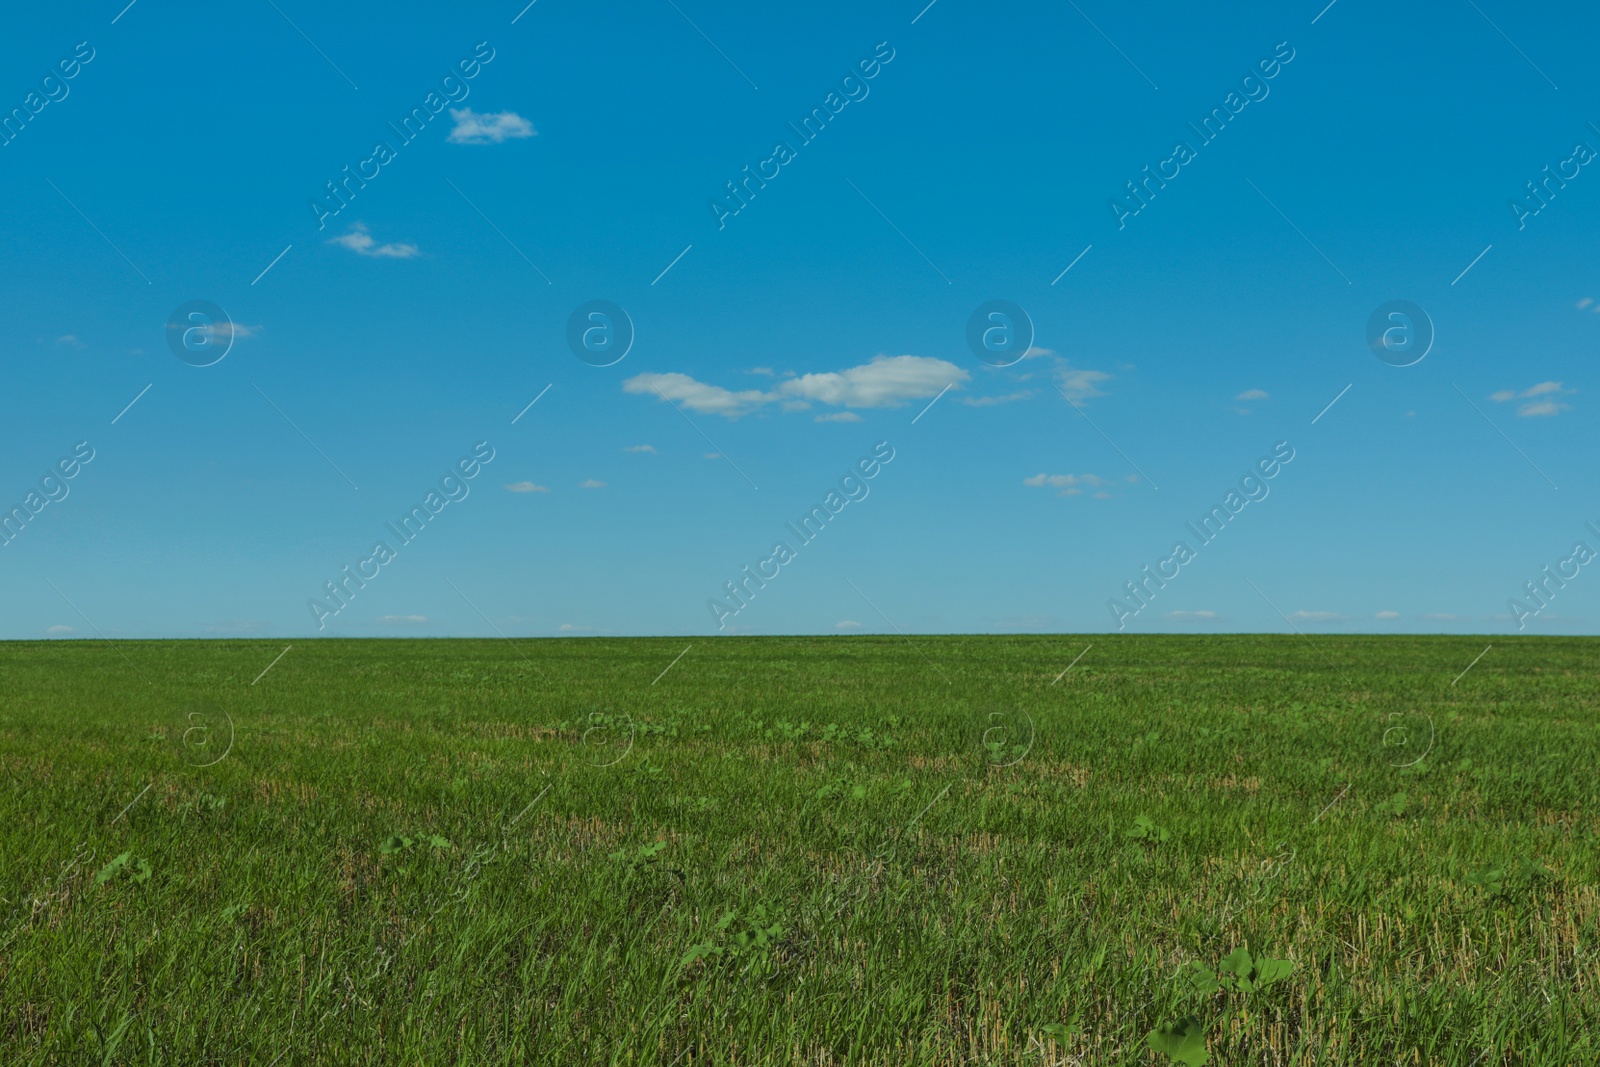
{"points": [[807, 851]]}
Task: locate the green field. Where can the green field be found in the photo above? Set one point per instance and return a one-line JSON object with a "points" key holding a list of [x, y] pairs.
{"points": [[801, 851]]}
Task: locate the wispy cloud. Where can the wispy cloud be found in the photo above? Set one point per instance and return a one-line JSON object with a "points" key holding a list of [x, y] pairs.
{"points": [[1316, 616], [847, 624], [885, 382], [402, 618], [488, 127], [360, 241], [839, 416], [991, 401], [1183, 616], [59, 629], [590, 483], [69, 340], [1254, 394], [1534, 406], [1080, 383], [527, 487], [641, 448], [1069, 484], [1387, 615]]}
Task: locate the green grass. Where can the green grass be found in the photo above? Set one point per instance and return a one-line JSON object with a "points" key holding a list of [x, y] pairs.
{"points": [[819, 851]]}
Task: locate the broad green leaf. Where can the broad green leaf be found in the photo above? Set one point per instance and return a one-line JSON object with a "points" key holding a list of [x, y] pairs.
{"points": [[1183, 1041], [109, 871]]}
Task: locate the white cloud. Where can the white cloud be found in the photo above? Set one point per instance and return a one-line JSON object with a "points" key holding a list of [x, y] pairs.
{"points": [[711, 455], [527, 487], [69, 340], [991, 401], [58, 629], [847, 624], [698, 396], [1035, 352], [360, 241], [488, 127], [1387, 615], [839, 416], [402, 618], [1535, 407], [765, 372], [885, 382], [1254, 394], [569, 628], [1080, 384], [1317, 616], [1069, 484], [641, 448], [590, 483], [1191, 615]]}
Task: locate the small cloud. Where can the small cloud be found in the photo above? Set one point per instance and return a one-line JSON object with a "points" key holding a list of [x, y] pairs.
{"points": [[711, 455], [1185, 615], [360, 241], [1317, 616], [1439, 616], [526, 487], [1387, 615], [590, 483], [991, 401], [58, 629], [69, 340], [402, 618], [1535, 407], [641, 448], [1080, 384], [1585, 302], [765, 372], [1254, 394], [1035, 352], [569, 628], [839, 416], [488, 127], [847, 624], [883, 382], [1069, 484]]}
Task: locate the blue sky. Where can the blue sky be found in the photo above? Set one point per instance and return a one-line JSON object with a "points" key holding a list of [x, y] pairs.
{"points": [[776, 347]]}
